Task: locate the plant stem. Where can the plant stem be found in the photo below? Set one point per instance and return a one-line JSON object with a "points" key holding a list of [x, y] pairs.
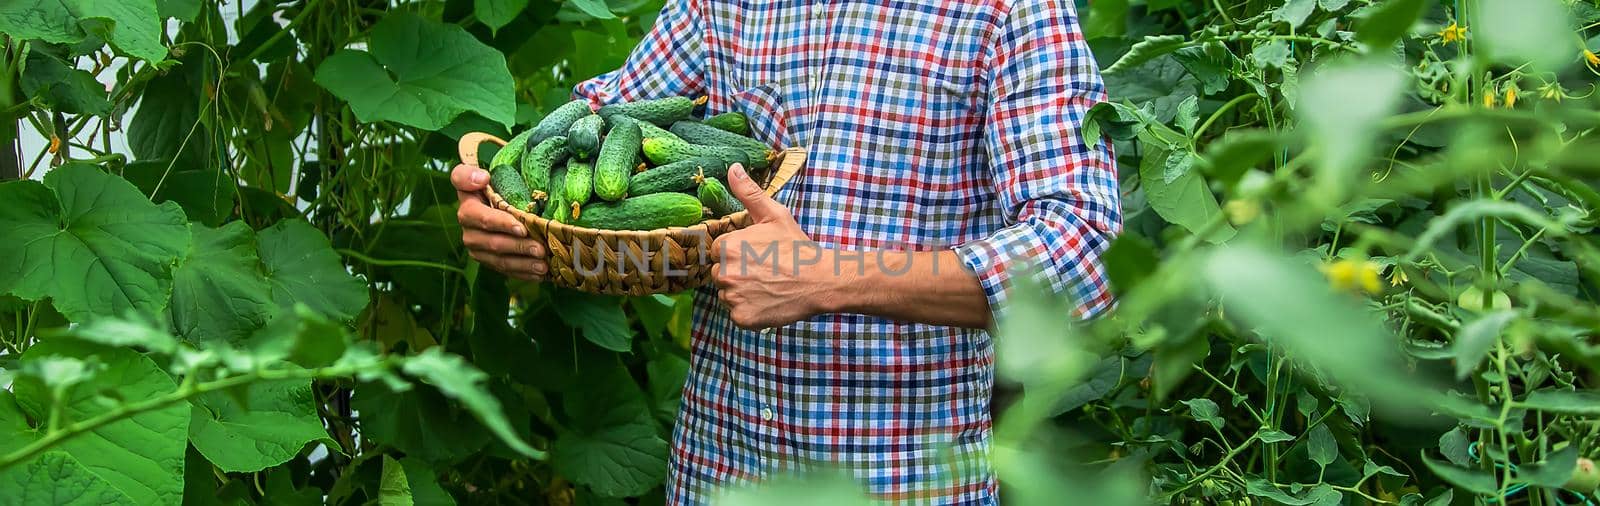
{"points": [[1210, 471], [399, 263], [1224, 108]]}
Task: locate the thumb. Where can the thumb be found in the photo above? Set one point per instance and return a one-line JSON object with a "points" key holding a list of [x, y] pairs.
{"points": [[762, 208]]}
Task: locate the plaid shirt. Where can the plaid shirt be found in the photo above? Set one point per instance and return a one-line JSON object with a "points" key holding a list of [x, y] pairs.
{"points": [[930, 125]]}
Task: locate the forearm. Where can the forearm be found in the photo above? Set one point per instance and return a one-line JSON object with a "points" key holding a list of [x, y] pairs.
{"points": [[931, 287]]}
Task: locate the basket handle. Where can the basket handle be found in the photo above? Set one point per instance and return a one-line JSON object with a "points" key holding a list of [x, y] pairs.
{"points": [[789, 160]]}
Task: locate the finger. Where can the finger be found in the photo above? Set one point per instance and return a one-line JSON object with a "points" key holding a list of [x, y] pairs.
{"points": [[469, 178], [476, 214], [501, 243], [515, 265], [762, 208]]}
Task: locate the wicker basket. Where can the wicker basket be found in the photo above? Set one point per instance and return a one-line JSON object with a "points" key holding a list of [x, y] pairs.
{"points": [[629, 262]]}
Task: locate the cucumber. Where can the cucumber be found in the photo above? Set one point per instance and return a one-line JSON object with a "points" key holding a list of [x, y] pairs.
{"points": [[716, 197], [661, 111], [647, 129], [584, 136], [662, 151], [580, 182], [700, 133], [618, 155], [511, 153], [734, 122], [676, 176], [559, 120], [509, 184], [644, 212], [558, 198], [539, 161]]}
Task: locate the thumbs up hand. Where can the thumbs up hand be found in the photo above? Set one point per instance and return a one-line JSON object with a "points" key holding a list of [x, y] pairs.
{"points": [[769, 274]]}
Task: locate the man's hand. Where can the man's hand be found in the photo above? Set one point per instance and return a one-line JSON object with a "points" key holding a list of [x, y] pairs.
{"points": [[769, 273], [494, 237]]}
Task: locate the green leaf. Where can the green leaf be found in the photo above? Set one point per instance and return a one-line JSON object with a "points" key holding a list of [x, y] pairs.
{"points": [[1188, 114], [1475, 339], [1273, 436], [1454, 445], [116, 246], [458, 380], [1178, 193], [1473, 480], [57, 479], [1388, 23], [596, 8], [302, 268], [498, 13], [280, 420], [1204, 410], [613, 446], [1037, 343], [218, 292], [1130, 259], [207, 195], [420, 73], [666, 373], [1273, 54], [1262, 488], [1212, 63], [1157, 86], [599, 316], [1517, 32], [1553, 471], [1332, 5], [141, 455], [1150, 48], [1106, 18], [424, 483], [428, 427], [132, 26], [1341, 104], [168, 124], [1565, 402], [1321, 446], [125, 333], [393, 488], [1228, 159], [1295, 12], [61, 87]]}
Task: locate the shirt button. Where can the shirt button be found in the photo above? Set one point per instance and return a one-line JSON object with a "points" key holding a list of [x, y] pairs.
{"points": [[766, 414], [766, 332]]}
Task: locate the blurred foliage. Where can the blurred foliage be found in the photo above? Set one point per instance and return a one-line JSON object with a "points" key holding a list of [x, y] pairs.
{"points": [[1359, 263]]}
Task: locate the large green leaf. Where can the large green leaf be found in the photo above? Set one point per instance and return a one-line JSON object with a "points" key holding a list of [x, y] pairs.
{"points": [[218, 291], [280, 420], [206, 195], [130, 25], [182, 9], [167, 125], [57, 479], [1388, 23], [613, 447], [419, 422], [61, 87], [1567, 402], [1473, 480], [464, 383], [141, 455], [302, 268], [1476, 338], [420, 73], [393, 488], [596, 8], [1517, 32], [96, 246]]}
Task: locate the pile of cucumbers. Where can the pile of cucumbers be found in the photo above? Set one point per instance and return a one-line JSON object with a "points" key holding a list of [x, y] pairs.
{"points": [[631, 166]]}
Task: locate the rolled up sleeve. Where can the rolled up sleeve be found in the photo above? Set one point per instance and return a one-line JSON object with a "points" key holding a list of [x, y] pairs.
{"points": [[1057, 189]]}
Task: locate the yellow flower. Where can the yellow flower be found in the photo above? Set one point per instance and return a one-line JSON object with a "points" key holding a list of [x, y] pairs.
{"points": [[1511, 97], [1552, 91], [1593, 59], [1453, 33], [1242, 211], [1398, 277], [1353, 275], [1488, 100], [55, 144]]}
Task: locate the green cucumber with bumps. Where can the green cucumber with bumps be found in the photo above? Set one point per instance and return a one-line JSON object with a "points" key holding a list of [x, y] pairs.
{"points": [[734, 122], [579, 185], [700, 133], [716, 197], [619, 154], [661, 111], [511, 153], [584, 136], [647, 129], [539, 161], [644, 212], [662, 151], [677, 176], [559, 120], [558, 198], [508, 182]]}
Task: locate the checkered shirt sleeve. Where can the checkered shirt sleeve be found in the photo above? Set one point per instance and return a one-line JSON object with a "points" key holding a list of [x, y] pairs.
{"points": [[668, 61], [1058, 189]]}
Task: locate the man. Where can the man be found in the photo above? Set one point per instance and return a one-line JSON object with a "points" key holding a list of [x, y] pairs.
{"points": [[944, 155]]}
